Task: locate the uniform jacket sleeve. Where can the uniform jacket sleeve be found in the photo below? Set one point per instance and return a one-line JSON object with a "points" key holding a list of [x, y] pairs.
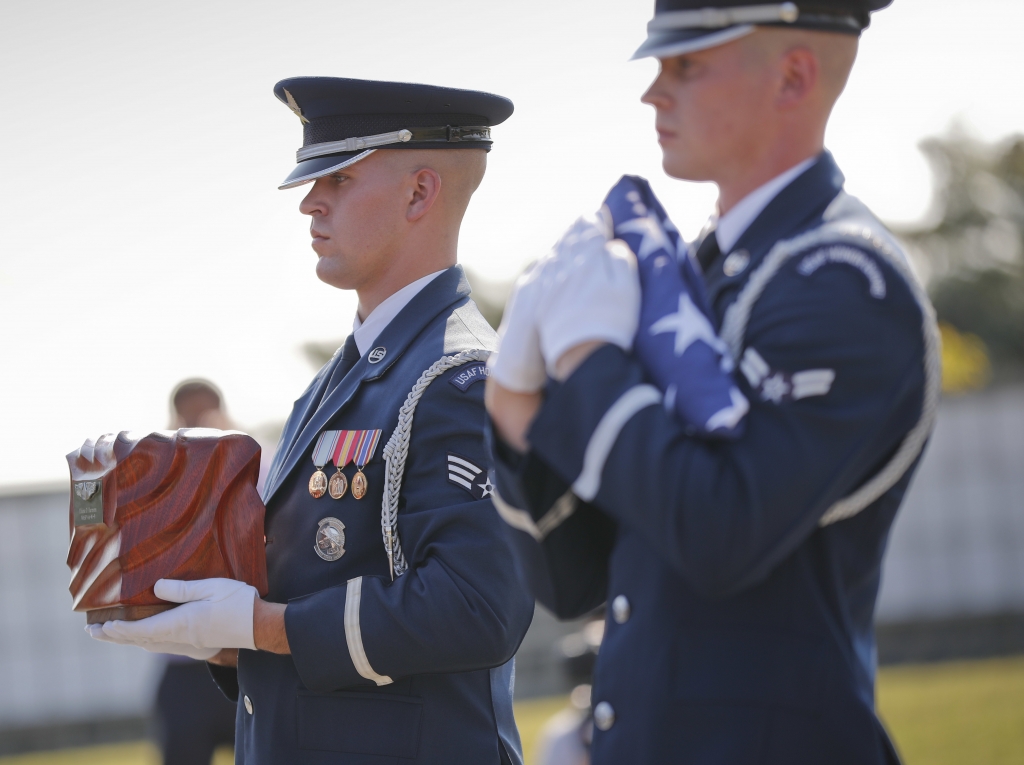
{"points": [[461, 605], [723, 514], [566, 569]]}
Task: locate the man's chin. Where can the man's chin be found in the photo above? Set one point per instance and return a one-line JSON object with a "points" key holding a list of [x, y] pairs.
{"points": [[329, 273], [683, 170]]}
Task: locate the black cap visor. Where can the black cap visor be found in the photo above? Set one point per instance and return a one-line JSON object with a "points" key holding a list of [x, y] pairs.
{"points": [[311, 169], [678, 42]]}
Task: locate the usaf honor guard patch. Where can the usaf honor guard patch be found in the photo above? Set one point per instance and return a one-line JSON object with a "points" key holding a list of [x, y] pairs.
{"points": [[470, 477], [469, 374]]}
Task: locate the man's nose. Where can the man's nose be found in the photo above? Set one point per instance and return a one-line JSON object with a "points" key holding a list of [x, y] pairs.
{"points": [[312, 203], [656, 95]]}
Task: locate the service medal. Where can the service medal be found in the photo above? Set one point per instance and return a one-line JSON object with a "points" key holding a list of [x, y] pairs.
{"points": [[318, 484], [321, 454], [338, 485], [330, 539], [359, 485], [364, 453]]}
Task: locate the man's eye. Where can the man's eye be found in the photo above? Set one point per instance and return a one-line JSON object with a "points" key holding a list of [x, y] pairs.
{"points": [[681, 68]]}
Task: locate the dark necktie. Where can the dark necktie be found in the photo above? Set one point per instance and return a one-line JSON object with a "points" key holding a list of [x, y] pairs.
{"points": [[349, 357], [708, 251]]}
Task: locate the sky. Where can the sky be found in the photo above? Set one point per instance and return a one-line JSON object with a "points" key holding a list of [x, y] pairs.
{"points": [[143, 239]]}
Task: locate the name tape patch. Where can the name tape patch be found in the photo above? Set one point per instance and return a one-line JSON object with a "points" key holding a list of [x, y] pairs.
{"points": [[850, 257], [469, 374]]}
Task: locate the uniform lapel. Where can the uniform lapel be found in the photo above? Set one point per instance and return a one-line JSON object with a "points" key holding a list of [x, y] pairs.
{"points": [[302, 410], [792, 210], [446, 289]]}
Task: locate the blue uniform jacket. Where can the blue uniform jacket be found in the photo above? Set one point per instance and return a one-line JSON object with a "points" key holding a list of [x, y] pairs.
{"points": [[739, 630], [418, 670]]}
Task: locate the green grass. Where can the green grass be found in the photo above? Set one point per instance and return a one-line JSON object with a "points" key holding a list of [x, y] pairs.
{"points": [[958, 713], [134, 753]]}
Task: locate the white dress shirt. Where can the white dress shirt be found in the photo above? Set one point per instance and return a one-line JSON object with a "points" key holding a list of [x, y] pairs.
{"points": [[730, 227], [366, 332]]}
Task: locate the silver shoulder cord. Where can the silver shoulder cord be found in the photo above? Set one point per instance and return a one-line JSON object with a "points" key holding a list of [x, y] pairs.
{"points": [[397, 450], [734, 327]]}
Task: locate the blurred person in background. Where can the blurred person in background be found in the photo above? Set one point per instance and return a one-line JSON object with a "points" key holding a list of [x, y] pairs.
{"points": [[198, 403], [741, 575], [193, 717]]}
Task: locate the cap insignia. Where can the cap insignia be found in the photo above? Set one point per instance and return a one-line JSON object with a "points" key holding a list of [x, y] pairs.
{"points": [[294, 106]]}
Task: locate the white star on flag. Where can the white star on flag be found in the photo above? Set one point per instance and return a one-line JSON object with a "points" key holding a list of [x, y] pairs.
{"points": [[654, 237], [690, 325]]}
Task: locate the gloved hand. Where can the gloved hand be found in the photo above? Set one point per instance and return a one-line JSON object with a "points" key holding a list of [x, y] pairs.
{"points": [[585, 289], [215, 614], [181, 649], [518, 364], [592, 293]]}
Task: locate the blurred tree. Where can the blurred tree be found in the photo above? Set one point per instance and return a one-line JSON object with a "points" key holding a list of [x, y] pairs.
{"points": [[971, 251], [965, 362], [490, 297]]}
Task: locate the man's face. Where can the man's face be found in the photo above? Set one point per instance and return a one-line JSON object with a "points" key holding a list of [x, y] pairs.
{"points": [[357, 215], [713, 110]]}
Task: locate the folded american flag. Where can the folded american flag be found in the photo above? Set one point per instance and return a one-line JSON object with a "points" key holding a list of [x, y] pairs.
{"points": [[676, 341]]}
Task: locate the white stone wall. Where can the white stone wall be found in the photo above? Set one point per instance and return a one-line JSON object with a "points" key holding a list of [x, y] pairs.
{"points": [[957, 547], [50, 670]]}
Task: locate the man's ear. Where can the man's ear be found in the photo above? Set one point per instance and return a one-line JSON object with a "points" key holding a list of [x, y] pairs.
{"points": [[426, 187], [801, 72]]}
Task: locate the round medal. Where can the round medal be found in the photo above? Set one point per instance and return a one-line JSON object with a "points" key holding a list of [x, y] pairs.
{"points": [[338, 485], [359, 485], [330, 539], [318, 484]]}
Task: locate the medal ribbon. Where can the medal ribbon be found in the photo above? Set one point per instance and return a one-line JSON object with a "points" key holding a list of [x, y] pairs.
{"points": [[325, 447], [346, 447], [367, 446]]}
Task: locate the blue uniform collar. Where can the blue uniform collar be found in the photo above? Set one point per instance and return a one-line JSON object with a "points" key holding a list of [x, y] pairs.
{"points": [[794, 209], [302, 429]]}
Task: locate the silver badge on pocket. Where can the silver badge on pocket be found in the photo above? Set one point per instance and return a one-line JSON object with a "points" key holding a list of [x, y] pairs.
{"points": [[330, 539]]}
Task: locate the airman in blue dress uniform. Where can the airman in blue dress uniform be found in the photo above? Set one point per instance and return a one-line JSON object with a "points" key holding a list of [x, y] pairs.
{"points": [[739, 576], [395, 607]]}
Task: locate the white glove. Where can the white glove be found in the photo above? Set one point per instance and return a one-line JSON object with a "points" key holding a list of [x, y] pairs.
{"points": [[215, 613], [518, 364], [593, 293], [585, 289], [181, 649]]}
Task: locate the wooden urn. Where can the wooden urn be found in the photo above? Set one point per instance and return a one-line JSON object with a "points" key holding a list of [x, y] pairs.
{"points": [[168, 505]]}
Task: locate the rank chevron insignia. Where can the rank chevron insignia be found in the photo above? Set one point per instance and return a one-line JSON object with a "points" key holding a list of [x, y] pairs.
{"points": [[470, 477]]}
